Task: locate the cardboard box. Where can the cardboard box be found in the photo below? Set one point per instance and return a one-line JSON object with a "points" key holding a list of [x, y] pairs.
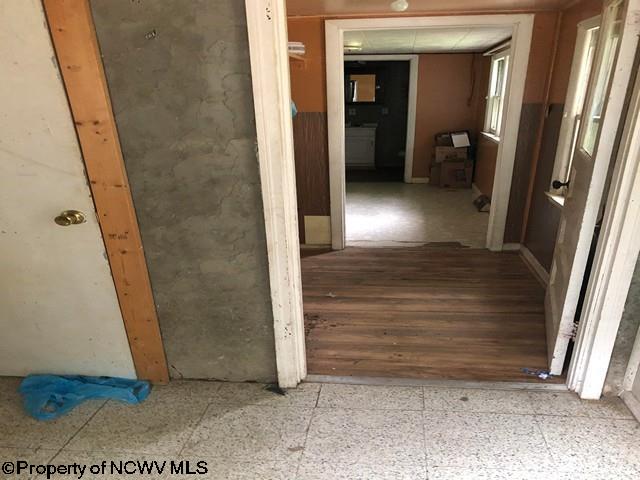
{"points": [[443, 154], [456, 174], [443, 140]]}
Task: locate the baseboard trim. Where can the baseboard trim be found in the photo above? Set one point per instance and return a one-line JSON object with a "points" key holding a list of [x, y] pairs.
{"points": [[411, 382], [534, 265], [419, 180], [632, 403], [511, 247]]}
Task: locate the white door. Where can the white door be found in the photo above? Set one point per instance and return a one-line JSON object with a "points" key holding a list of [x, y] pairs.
{"points": [[58, 307], [584, 192]]}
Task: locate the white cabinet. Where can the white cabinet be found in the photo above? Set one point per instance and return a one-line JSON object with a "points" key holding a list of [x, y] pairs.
{"points": [[360, 147]]}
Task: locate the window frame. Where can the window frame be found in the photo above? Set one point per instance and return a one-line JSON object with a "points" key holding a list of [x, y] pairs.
{"points": [[496, 94]]}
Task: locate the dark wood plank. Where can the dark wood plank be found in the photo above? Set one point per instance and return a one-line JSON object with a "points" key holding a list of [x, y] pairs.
{"points": [[312, 160], [427, 312]]}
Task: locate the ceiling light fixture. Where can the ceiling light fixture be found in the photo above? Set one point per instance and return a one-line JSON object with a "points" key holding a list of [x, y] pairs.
{"points": [[399, 5]]}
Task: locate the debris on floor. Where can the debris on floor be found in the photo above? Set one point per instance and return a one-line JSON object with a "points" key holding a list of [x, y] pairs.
{"points": [[482, 203], [47, 397], [274, 388], [541, 374]]}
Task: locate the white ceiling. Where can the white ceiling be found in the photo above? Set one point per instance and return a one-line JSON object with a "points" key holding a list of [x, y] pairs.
{"points": [[418, 7], [426, 40]]}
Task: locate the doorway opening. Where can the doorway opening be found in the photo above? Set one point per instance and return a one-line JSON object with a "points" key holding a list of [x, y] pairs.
{"points": [[453, 100], [276, 163], [454, 110], [410, 289]]}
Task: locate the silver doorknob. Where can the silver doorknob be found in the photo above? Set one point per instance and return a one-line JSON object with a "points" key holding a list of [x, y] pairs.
{"points": [[70, 217]]}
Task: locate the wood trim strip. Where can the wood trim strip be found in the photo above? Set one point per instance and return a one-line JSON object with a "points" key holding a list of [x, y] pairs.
{"points": [[76, 45]]}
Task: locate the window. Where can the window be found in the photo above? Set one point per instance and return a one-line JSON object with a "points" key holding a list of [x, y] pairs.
{"points": [[584, 54], [495, 97], [595, 104]]}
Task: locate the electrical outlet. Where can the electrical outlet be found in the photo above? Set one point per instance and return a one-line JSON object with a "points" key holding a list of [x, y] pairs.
{"points": [[385, 111], [352, 112]]}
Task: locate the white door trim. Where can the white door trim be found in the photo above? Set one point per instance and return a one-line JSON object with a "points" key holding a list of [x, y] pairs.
{"points": [[633, 367], [618, 247], [412, 102], [267, 28], [520, 45]]}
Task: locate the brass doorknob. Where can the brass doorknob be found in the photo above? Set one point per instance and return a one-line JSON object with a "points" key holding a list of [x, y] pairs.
{"points": [[70, 217]]}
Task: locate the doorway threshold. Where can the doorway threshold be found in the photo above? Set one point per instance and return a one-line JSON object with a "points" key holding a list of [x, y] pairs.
{"points": [[413, 382]]}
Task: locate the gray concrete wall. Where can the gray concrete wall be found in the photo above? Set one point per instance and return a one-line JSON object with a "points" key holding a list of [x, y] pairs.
{"points": [[626, 337], [179, 76]]}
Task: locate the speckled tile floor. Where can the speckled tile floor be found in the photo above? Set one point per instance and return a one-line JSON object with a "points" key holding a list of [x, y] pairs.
{"points": [[395, 214], [337, 432]]}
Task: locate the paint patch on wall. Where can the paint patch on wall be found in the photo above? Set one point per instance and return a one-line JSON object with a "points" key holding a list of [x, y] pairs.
{"points": [[317, 230]]}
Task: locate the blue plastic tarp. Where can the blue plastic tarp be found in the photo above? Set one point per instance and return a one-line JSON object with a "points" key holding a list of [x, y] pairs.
{"points": [[47, 397]]}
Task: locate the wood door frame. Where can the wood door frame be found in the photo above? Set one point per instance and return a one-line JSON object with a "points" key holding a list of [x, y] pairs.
{"points": [[267, 31], [618, 247], [411, 103], [522, 25], [78, 56]]}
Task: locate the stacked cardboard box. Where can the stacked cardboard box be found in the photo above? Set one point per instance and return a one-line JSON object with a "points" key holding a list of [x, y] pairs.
{"points": [[451, 166]]}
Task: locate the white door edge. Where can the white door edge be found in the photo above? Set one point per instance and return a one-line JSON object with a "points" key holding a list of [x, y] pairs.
{"points": [[617, 250]]}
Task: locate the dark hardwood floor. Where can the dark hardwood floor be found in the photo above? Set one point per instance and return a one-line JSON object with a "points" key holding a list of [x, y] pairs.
{"points": [[432, 312]]}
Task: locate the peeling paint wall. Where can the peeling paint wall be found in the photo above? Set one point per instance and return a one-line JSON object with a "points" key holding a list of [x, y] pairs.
{"points": [[626, 337], [179, 77]]}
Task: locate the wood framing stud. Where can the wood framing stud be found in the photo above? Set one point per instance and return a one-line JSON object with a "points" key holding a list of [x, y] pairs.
{"points": [[76, 46]]}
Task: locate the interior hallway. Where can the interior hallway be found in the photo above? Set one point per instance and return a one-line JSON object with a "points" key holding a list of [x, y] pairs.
{"points": [[336, 432], [395, 213], [434, 312]]}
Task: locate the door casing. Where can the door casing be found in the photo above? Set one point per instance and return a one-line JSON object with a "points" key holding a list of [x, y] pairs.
{"points": [[522, 25], [270, 74]]}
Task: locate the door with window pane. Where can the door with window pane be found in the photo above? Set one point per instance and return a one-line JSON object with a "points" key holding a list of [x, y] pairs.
{"points": [[585, 178]]}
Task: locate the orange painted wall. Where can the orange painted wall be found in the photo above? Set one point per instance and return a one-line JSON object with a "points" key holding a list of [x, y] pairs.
{"points": [[446, 101], [540, 56], [309, 92], [308, 77]]}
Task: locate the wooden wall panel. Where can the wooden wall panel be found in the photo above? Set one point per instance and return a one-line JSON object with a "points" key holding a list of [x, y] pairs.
{"points": [[76, 46], [485, 169], [528, 133], [544, 217], [312, 165]]}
